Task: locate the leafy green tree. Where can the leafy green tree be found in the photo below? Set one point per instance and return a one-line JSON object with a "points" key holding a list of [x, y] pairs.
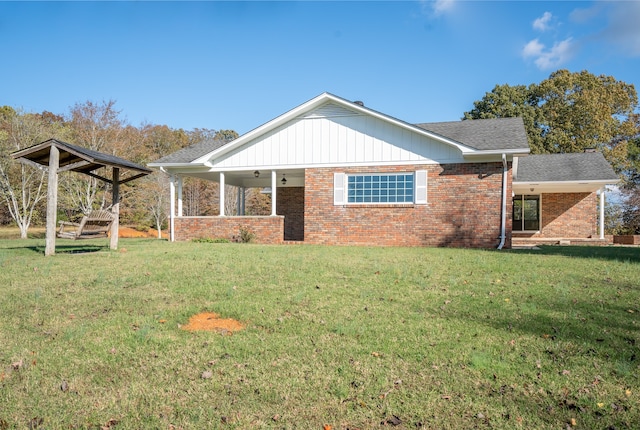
{"points": [[570, 112], [581, 110], [506, 101]]}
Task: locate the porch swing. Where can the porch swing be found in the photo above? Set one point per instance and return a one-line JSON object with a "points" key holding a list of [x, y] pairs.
{"points": [[95, 224]]}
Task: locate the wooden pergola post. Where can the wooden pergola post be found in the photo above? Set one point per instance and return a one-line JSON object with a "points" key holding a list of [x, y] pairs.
{"points": [[52, 201], [115, 208]]}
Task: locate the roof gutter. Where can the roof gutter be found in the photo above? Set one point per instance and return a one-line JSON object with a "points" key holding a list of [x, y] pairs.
{"points": [[503, 220]]}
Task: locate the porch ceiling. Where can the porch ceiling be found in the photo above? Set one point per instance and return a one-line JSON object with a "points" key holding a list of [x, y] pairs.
{"points": [[558, 187], [247, 179]]}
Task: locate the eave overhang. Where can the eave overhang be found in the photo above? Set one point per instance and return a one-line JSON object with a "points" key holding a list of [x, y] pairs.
{"points": [[561, 186]]}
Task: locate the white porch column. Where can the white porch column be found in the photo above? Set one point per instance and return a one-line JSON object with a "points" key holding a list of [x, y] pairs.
{"points": [[179, 195], [221, 193], [274, 185], [602, 213], [172, 207], [241, 195]]}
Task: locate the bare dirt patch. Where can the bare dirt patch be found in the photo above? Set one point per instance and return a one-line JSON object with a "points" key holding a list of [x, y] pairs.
{"points": [[210, 321], [128, 232]]}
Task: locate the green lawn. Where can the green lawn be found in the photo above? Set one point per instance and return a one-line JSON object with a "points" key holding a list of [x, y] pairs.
{"points": [[348, 337]]}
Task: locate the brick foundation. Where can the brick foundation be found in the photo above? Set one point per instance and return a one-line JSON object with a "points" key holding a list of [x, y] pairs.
{"points": [[626, 239], [267, 229]]}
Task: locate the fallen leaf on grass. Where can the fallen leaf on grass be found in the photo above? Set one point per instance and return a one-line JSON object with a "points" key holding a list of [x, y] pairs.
{"points": [[394, 421], [207, 374], [109, 424], [17, 364], [627, 393], [64, 386], [36, 422], [326, 427]]}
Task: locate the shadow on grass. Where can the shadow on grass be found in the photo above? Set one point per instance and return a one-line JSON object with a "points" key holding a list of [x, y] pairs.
{"points": [[617, 253], [596, 326], [63, 249]]}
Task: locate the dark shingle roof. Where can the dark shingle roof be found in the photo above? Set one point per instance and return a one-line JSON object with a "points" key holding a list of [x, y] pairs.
{"points": [[190, 153], [483, 134], [587, 166]]}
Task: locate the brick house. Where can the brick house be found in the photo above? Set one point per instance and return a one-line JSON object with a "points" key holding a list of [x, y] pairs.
{"points": [[342, 173]]}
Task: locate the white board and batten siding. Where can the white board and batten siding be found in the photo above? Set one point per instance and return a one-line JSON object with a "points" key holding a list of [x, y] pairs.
{"points": [[332, 135]]}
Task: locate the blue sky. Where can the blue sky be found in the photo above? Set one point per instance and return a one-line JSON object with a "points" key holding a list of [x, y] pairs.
{"points": [[237, 65]]}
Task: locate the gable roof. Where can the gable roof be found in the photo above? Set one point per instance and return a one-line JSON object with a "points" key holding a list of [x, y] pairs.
{"points": [[483, 134], [190, 153], [471, 137], [578, 167]]}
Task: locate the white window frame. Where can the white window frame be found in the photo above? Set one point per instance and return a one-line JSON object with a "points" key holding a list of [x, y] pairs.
{"points": [[341, 188]]}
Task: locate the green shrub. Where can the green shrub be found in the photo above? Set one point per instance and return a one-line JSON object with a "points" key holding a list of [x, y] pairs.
{"points": [[210, 240]]}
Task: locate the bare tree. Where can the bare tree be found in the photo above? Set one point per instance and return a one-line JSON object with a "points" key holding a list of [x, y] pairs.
{"points": [[96, 126], [23, 185]]}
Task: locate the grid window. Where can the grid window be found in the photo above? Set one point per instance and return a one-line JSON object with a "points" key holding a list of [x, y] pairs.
{"points": [[377, 188]]}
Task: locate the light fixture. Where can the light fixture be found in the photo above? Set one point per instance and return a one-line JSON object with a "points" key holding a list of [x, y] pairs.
{"points": [[284, 180], [256, 173]]}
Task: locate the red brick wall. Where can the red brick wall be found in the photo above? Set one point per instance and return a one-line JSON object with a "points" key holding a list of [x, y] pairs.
{"points": [[463, 209], [290, 204], [569, 215], [268, 229], [626, 239]]}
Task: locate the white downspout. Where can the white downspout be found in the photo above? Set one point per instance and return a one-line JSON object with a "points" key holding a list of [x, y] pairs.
{"points": [[503, 221]]}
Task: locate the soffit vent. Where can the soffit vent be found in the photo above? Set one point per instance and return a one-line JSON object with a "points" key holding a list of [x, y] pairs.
{"points": [[328, 111]]}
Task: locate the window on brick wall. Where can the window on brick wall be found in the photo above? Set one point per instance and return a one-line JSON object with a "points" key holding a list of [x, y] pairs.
{"points": [[366, 188], [526, 213]]}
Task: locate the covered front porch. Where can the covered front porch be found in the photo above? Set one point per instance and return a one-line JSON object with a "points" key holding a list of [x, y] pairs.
{"points": [[234, 222], [544, 214]]}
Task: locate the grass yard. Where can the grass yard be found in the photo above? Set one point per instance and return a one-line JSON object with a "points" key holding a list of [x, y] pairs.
{"points": [[334, 337]]}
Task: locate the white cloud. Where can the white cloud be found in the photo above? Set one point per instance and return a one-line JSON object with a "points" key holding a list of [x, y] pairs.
{"points": [[547, 59], [542, 23]]}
